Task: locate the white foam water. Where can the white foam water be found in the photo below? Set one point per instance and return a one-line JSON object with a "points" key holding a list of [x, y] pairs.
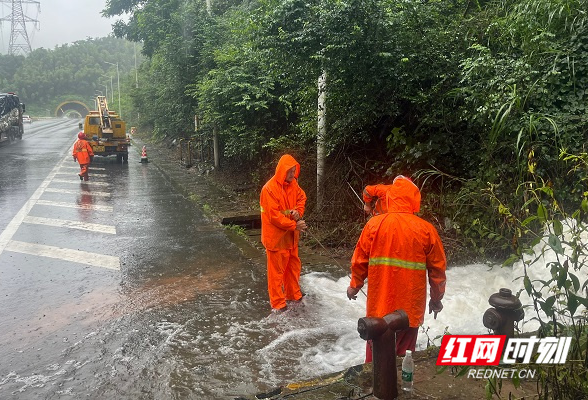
{"points": [[468, 290]]}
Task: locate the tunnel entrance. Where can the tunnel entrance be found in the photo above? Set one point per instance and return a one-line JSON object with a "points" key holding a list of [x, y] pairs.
{"points": [[72, 109]]}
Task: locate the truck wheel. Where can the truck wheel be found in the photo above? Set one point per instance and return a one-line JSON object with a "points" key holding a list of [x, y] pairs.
{"points": [[13, 134], [119, 158], [125, 158]]}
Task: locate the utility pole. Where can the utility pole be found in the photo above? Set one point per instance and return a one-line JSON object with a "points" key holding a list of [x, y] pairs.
{"points": [[321, 138], [19, 37], [136, 73], [117, 86], [111, 90], [214, 127]]}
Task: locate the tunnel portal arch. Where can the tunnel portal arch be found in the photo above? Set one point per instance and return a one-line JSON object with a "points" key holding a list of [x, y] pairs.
{"points": [[72, 109]]}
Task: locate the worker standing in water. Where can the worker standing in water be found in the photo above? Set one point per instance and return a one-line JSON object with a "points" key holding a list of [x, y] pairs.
{"points": [[396, 252], [282, 204]]}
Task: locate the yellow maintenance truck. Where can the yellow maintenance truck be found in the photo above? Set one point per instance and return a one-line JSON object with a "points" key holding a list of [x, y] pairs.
{"points": [[106, 132]]}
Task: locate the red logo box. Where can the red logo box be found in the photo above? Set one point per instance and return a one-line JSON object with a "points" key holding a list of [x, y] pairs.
{"points": [[471, 349]]}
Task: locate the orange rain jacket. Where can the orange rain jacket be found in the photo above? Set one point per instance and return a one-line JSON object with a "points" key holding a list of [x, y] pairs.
{"points": [[395, 252], [278, 229], [381, 199], [82, 151]]}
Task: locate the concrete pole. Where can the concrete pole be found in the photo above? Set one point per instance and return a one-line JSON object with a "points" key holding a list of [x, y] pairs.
{"points": [[214, 128], [320, 138]]}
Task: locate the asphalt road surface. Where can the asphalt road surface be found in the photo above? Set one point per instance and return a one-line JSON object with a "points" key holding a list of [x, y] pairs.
{"points": [[121, 288]]}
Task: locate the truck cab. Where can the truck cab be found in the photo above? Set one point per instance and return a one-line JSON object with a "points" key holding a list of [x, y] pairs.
{"points": [[11, 110], [106, 132]]}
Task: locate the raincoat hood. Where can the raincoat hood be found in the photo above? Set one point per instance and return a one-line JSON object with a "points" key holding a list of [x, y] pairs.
{"points": [[286, 162], [404, 196]]}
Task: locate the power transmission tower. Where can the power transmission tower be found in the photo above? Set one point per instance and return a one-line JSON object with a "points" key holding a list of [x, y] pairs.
{"points": [[19, 38]]}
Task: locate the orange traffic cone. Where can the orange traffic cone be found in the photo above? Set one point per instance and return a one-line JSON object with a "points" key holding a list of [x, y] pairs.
{"points": [[144, 158]]}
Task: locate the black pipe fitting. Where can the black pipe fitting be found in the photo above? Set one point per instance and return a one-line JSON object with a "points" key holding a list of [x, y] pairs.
{"points": [[507, 310], [382, 333]]}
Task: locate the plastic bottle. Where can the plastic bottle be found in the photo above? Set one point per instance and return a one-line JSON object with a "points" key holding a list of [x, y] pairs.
{"points": [[407, 372]]}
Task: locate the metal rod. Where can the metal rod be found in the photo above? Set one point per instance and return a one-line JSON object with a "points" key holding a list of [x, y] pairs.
{"points": [[357, 195]]}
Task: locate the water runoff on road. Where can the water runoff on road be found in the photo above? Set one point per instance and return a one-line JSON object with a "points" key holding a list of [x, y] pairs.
{"points": [[211, 336]]}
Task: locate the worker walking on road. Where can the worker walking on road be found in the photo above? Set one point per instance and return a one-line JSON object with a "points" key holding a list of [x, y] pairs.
{"points": [[83, 154], [282, 204], [396, 252]]}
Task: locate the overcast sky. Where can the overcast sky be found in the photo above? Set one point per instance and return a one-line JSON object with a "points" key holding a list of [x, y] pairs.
{"points": [[60, 22]]}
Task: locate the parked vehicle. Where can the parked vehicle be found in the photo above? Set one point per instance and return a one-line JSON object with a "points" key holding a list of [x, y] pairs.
{"points": [[11, 110], [106, 132]]}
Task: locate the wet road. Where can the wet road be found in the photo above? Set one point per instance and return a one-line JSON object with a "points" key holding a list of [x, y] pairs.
{"points": [[120, 288]]}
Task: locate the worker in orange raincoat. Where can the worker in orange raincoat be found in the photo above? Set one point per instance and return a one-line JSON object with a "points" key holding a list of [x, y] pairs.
{"points": [[282, 204], [376, 200], [83, 154], [395, 252]]}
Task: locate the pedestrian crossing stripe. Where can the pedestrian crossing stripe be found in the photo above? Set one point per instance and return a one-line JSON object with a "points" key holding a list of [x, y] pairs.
{"points": [[71, 191], [76, 180], [78, 168], [62, 223], [60, 253], [95, 207], [92, 174]]}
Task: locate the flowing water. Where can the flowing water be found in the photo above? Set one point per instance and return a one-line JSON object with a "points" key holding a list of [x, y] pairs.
{"points": [[187, 315], [209, 336]]}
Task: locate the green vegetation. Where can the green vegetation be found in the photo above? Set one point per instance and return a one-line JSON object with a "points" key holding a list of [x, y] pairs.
{"points": [[484, 103], [74, 72], [208, 210], [466, 96], [475, 99], [238, 230], [559, 300], [558, 294]]}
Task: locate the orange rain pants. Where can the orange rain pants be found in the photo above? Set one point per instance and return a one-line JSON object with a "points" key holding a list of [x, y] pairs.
{"points": [[283, 274], [84, 171]]}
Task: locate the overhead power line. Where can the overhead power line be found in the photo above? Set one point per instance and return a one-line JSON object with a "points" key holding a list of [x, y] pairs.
{"points": [[19, 38]]}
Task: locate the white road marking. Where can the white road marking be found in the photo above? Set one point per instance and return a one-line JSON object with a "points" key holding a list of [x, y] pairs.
{"points": [[13, 225], [94, 207], [76, 256], [78, 168], [77, 180], [70, 224], [72, 191], [91, 174]]}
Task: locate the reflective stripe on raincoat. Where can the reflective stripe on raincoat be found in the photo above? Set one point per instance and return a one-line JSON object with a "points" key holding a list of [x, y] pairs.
{"points": [[278, 197], [395, 252]]}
